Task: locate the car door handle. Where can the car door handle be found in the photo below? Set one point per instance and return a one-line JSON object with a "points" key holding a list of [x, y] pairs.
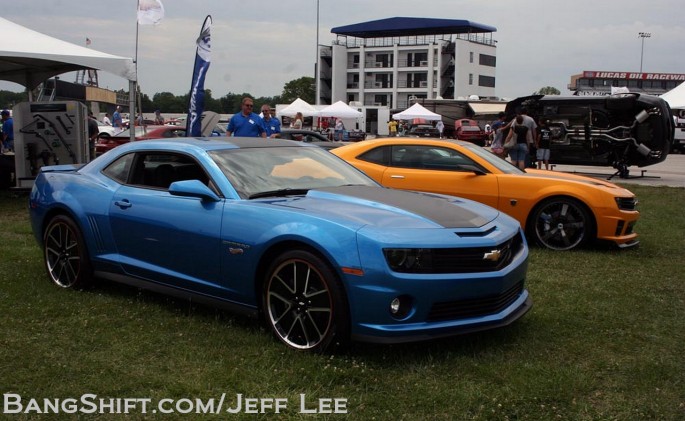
{"points": [[123, 204], [397, 176]]}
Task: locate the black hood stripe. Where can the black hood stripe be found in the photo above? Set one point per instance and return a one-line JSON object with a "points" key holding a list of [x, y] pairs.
{"points": [[445, 212]]}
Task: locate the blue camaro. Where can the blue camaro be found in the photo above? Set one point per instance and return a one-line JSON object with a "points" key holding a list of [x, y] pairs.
{"points": [[284, 230]]}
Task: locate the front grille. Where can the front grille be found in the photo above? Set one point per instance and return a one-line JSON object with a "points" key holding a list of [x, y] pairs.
{"points": [[627, 203], [455, 260], [469, 260], [474, 307]]}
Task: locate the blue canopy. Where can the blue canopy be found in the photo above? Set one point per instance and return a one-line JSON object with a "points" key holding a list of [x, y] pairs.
{"points": [[403, 26]]}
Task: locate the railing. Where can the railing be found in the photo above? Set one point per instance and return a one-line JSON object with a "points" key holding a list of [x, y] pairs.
{"points": [[415, 63], [418, 84], [352, 42]]}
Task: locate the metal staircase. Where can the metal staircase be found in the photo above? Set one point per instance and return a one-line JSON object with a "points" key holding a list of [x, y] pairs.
{"points": [[47, 91]]}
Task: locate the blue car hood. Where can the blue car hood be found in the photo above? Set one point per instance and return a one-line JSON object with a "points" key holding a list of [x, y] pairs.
{"points": [[381, 207]]}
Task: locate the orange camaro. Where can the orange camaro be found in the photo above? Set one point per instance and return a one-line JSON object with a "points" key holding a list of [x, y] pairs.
{"points": [[557, 210]]}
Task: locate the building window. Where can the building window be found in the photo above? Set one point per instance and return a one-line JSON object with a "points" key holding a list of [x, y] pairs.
{"points": [[471, 57], [487, 81], [487, 60], [470, 78]]}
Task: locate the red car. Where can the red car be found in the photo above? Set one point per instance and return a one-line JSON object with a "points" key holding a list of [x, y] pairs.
{"points": [[469, 130], [107, 143]]}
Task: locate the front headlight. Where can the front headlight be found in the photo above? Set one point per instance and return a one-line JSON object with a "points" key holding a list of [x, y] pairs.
{"points": [[627, 203], [408, 260]]}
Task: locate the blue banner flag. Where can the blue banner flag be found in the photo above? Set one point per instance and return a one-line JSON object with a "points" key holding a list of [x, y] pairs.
{"points": [[197, 89]]}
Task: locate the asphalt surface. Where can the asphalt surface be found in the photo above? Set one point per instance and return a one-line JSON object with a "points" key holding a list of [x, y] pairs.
{"points": [[671, 172]]}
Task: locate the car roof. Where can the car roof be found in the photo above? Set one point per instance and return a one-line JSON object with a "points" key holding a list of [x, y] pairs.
{"points": [[414, 141], [214, 143]]}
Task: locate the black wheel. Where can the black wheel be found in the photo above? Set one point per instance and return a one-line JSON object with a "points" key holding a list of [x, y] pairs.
{"points": [[66, 257], [304, 303], [560, 223]]}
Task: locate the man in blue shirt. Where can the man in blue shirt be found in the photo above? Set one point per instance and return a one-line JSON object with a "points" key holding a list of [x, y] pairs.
{"points": [[7, 131], [246, 123], [116, 119], [271, 123]]}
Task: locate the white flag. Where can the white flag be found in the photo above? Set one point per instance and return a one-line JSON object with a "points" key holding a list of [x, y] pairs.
{"points": [[150, 12]]}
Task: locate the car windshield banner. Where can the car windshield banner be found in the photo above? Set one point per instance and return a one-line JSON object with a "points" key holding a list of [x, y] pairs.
{"points": [[197, 88]]}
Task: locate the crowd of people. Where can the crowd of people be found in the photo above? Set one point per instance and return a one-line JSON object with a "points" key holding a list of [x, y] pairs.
{"points": [[531, 140], [247, 123]]}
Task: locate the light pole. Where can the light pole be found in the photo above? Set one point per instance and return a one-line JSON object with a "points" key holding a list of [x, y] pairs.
{"points": [[643, 35], [317, 85]]}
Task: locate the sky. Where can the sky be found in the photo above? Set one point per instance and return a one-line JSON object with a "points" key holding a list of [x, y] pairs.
{"points": [[257, 47]]}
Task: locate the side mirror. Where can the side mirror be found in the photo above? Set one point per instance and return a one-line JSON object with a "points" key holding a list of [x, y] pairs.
{"points": [[193, 188], [473, 168]]}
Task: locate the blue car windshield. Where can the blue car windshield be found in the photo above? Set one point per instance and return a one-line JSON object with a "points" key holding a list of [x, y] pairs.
{"points": [[255, 171]]}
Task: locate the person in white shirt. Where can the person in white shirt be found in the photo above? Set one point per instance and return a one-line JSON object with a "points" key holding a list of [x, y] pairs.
{"points": [[440, 126]]}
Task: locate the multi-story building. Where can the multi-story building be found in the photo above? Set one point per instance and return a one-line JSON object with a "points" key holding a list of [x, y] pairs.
{"points": [[391, 62]]}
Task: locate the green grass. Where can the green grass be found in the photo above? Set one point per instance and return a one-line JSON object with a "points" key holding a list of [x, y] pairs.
{"points": [[605, 340]]}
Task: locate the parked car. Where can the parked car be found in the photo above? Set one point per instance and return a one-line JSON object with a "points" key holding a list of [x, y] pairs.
{"points": [[303, 135], [286, 230], [107, 143], [617, 130], [469, 130], [423, 130], [557, 210], [105, 130], [354, 135], [312, 137]]}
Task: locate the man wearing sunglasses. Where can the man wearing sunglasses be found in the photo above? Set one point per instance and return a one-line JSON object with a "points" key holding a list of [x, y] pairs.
{"points": [[246, 123]]}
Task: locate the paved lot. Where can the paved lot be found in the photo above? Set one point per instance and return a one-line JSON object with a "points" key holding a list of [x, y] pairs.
{"points": [[671, 172]]}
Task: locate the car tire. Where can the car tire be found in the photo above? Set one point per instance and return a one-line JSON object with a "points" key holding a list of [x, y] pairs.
{"points": [[560, 223], [65, 254], [304, 303]]}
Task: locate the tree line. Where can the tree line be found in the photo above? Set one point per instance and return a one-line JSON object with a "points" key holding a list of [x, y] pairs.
{"points": [[303, 88], [168, 102]]}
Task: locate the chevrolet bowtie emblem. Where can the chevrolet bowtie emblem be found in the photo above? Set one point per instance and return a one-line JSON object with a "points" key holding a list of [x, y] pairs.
{"points": [[493, 255]]}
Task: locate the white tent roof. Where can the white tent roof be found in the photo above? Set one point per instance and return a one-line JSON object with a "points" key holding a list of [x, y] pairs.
{"points": [[298, 106], [417, 111], [675, 97], [340, 110], [28, 57]]}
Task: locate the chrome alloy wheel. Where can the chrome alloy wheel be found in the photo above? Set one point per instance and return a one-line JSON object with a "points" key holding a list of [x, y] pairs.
{"points": [[561, 224], [64, 254], [299, 304]]}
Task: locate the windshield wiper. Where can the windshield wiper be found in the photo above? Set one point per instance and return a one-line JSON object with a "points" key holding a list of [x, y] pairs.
{"points": [[281, 192]]}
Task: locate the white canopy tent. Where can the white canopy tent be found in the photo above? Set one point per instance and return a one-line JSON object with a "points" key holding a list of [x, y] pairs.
{"points": [[675, 97], [340, 110], [298, 106], [28, 58], [417, 111]]}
